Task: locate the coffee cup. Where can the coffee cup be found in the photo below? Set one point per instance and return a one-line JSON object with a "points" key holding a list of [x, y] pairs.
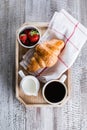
{"points": [[55, 91], [29, 84]]}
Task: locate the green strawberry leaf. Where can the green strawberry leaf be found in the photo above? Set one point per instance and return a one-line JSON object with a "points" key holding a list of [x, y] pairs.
{"points": [[33, 32]]}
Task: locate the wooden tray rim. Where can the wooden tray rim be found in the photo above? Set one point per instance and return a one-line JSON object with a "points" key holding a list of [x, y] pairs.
{"points": [[39, 24]]}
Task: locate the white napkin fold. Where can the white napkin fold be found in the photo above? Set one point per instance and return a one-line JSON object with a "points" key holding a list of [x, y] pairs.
{"points": [[62, 26]]}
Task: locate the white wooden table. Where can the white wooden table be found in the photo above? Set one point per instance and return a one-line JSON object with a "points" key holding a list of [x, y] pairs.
{"points": [[13, 115]]}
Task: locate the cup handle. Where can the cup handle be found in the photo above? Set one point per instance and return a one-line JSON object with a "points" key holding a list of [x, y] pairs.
{"points": [[63, 78], [22, 75]]}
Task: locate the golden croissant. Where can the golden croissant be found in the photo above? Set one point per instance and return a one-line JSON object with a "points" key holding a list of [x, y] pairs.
{"points": [[45, 55]]}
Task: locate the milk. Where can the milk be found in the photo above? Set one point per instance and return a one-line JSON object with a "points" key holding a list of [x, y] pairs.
{"points": [[29, 85]]}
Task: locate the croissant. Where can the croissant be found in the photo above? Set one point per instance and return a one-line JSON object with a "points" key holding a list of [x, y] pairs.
{"points": [[45, 55]]}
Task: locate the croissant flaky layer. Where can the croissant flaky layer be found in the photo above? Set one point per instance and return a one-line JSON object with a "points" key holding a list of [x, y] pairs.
{"points": [[45, 55]]}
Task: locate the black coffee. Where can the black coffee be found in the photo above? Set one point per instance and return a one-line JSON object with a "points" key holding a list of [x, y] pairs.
{"points": [[55, 92]]}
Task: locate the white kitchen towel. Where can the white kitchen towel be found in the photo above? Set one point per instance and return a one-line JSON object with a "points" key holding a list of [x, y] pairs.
{"points": [[62, 26]]}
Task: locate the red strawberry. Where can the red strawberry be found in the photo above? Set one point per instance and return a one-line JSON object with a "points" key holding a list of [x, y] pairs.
{"points": [[33, 36], [27, 31], [26, 42], [23, 38]]}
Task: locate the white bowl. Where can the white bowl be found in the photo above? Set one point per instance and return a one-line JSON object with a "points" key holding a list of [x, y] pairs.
{"points": [[21, 29]]}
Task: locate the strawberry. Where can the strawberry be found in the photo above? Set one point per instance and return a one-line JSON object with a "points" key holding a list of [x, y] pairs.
{"points": [[33, 36], [27, 31], [26, 43], [23, 38]]}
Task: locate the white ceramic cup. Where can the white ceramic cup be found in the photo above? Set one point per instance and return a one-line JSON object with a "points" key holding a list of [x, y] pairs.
{"points": [[61, 81], [24, 27], [29, 84]]}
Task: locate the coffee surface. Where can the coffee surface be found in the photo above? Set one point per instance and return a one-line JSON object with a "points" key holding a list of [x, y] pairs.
{"points": [[55, 92]]}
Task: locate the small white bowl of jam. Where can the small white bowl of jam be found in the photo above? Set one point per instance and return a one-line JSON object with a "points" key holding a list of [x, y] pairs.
{"points": [[28, 36]]}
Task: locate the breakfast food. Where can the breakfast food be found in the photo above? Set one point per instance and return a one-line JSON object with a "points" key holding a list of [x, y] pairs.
{"points": [[23, 38], [29, 37], [45, 55], [33, 36]]}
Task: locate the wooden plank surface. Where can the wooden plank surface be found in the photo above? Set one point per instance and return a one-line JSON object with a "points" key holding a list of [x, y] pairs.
{"points": [[13, 115]]}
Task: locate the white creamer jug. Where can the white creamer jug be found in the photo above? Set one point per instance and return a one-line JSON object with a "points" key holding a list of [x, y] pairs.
{"points": [[29, 84]]}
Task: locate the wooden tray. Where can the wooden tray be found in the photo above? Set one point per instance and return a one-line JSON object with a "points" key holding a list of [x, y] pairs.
{"points": [[31, 100]]}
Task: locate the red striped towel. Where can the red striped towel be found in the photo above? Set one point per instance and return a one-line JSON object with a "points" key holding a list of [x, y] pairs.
{"points": [[62, 26]]}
